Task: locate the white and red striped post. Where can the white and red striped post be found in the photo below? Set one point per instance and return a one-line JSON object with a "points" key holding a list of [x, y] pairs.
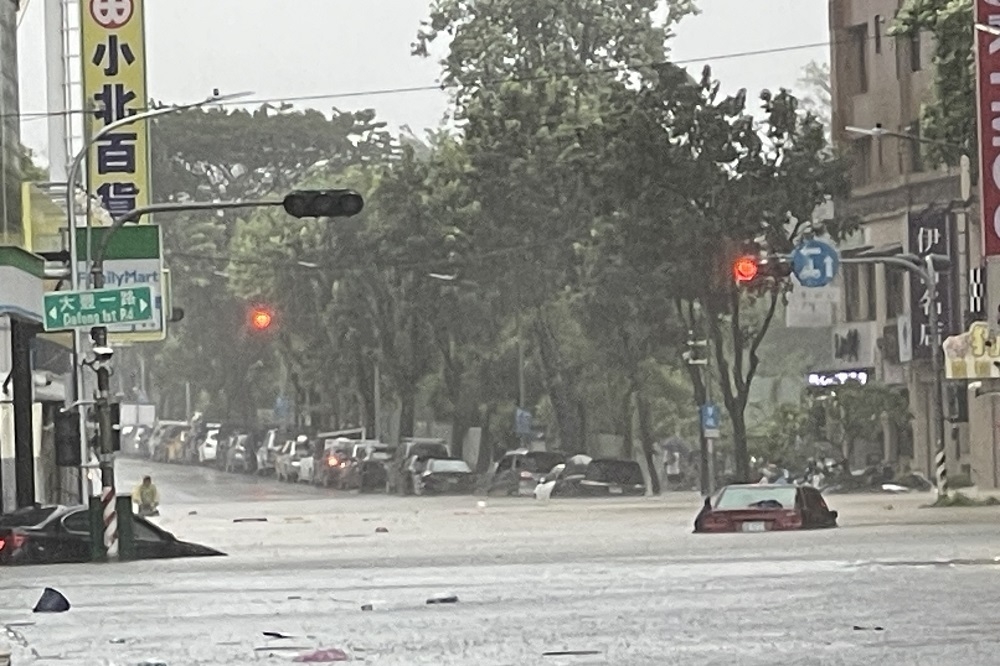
{"points": [[110, 522]]}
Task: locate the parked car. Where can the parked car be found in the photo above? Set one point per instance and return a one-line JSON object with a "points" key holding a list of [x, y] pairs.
{"points": [[365, 469], [519, 471], [408, 461], [268, 451], [286, 465], [326, 467], [208, 448], [59, 534], [238, 455], [581, 476], [765, 508], [445, 475]]}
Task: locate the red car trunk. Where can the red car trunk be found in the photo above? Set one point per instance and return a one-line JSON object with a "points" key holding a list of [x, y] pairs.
{"points": [[752, 520]]}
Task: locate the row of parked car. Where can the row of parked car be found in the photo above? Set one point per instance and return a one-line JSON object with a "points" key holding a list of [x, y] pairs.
{"points": [[416, 466]]}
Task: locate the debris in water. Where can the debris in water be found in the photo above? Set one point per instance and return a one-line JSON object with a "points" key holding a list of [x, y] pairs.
{"points": [[443, 599], [570, 653], [249, 520], [857, 628], [51, 601], [367, 607], [381, 530]]}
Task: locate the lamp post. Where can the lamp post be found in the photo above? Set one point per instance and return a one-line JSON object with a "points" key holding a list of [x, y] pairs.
{"points": [[71, 185]]}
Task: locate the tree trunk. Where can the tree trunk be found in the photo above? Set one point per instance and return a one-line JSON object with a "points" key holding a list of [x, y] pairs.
{"points": [[485, 458], [408, 411], [646, 436], [564, 401], [740, 450], [626, 416]]}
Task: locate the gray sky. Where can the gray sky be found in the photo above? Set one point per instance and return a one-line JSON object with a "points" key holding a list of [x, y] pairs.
{"points": [[327, 47]]}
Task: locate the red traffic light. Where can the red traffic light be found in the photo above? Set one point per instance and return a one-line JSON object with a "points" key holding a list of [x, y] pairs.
{"points": [[745, 269], [260, 318]]}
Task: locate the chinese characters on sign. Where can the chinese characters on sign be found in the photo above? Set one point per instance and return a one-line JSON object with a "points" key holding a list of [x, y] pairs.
{"points": [[114, 84], [930, 232], [988, 60]]}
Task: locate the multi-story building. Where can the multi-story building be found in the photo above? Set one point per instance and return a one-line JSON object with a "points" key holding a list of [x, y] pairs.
{"points": [[905, 205]]}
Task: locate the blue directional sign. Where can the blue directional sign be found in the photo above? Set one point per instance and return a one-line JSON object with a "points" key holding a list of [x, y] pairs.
{"points": [[710, 420], [815, 263], [522, 422]]}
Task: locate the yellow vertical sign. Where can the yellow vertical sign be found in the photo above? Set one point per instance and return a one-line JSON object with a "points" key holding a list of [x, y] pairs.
{"points": [[113, 55]]}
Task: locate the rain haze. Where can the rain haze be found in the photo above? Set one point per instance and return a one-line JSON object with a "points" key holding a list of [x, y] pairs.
{"points": [[616, 370], [302, 48]]}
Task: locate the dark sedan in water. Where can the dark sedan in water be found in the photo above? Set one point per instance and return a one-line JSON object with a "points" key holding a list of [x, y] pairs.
{"points": [[445, 476], [57, 534]]}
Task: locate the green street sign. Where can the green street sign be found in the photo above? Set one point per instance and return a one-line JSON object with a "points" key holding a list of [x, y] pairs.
{"points": [[97, 307]]}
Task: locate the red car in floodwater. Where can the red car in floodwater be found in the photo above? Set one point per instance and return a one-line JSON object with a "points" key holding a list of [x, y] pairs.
{"points": [[765, 508]]}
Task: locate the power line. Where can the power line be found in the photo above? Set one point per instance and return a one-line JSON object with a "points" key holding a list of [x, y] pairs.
{"points": [[440, 87]]}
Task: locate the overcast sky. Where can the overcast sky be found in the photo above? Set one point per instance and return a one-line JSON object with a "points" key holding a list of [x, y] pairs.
{"points": [[293, 48]]}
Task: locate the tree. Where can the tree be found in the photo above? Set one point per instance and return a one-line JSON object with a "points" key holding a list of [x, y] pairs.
{"points": [[215, 155], [819, 91], [857, 411], [527, 78], [950, 118], [703, 180]]}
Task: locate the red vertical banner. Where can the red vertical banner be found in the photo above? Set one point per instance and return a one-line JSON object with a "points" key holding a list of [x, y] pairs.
{"points": [[988, 117]]}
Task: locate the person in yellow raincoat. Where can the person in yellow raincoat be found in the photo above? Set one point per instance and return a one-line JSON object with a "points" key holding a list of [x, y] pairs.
{"points": [[146, 496]]}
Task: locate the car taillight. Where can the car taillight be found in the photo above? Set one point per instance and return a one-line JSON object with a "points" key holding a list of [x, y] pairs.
{"points": [[790, 518], [712, 520], [12, 541]]}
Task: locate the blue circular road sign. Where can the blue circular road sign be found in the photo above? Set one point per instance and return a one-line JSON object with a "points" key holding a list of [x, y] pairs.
{"points": [[815, 263]]}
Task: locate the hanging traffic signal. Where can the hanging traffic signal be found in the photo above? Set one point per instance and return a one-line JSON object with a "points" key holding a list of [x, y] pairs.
{"points": [[751, 270], [745, 269], [323, 203], [261, 318]]}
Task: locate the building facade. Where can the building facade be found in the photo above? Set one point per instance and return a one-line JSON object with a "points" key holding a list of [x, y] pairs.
{"points": [[905, 206]]}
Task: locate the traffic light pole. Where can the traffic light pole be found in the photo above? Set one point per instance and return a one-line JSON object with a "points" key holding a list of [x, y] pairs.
{"points": [[102, 362], [928, 275]]}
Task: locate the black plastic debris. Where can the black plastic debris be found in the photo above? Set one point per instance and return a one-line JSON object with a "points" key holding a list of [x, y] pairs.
{"points": [[570, 653], [381, 530], [51, 601], [857, 628], [367, 607], [249, 520], [276, 634], [443, 599]]}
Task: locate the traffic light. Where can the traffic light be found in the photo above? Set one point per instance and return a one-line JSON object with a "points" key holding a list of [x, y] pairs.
{"points": [[750, 270], [745, 269], [323, 203], [261, 318]]}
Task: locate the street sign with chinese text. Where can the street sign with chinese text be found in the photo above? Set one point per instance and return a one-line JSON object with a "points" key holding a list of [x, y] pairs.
{"points": [[132, 257], [98, 307], [711, 420], [113, 57], [930, 232]]}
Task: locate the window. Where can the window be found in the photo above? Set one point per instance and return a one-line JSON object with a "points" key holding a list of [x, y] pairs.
{"points": [[857, 59], [894, 301], [868, 313], [78, 522], [852, 294], [861, 161], [915, 52], [877, 25]]}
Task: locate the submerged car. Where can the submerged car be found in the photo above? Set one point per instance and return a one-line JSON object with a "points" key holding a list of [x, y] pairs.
{"points": [[60, 534], [445, 475], [765, 508]]}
